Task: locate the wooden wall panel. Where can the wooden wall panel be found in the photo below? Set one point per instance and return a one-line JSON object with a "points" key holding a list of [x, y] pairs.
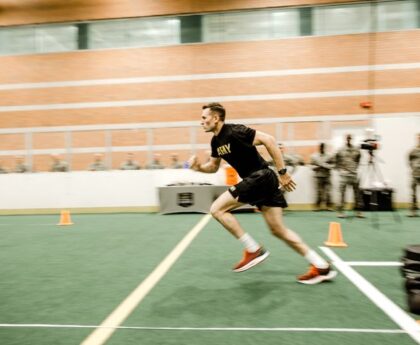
{"points": [[129, 138], [191, 112], [308, 52], [18, 12], [12, 142], [213, 88], [48, 140]]}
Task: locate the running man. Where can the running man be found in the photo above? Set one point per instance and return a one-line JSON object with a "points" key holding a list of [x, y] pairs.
{"points": [[236, 144]]}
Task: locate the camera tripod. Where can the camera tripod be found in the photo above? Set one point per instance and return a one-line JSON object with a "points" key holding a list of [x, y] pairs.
{"points": [[374, 174]]}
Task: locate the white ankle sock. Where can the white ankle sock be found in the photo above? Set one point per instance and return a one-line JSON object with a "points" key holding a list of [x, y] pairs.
{"points": [[315, 259], [249, 243]]}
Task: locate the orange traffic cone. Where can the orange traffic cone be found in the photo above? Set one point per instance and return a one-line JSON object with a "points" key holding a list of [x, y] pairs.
{"points": [[335, 238], [65, 218]]}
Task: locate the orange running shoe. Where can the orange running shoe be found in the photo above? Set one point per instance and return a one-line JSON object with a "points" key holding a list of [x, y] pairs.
{"points": [[249, 260], [317, 275]]}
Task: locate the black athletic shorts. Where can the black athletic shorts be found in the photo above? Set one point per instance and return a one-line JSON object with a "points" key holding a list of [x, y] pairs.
{"points": [[261, 188]]}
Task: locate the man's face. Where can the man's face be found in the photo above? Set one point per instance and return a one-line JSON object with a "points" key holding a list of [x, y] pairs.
{"points": [[348, 139], [209, 120]]}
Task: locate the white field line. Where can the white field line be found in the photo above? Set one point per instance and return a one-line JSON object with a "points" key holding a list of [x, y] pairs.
{"points": [[395, 313], [117, 317], [215, 329]]}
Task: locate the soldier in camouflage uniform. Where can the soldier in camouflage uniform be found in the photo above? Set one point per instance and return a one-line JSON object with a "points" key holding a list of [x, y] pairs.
{"points": [[322, 164], [175, 163], [20, 166], [347, 161], [2, 170], [291, 161], [58, 164], [130, 163], [414, 161], [155, 164], [98, 163]]}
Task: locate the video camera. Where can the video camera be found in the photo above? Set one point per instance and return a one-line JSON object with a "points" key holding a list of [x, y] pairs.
{"points": [[372, 142], [369, 144]]}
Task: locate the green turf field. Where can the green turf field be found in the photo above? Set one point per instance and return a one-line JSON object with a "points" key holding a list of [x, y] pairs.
{"points": [[61, 282]]}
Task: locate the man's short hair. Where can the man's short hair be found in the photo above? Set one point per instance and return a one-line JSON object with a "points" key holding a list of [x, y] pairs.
{"points": [[216, 107]]}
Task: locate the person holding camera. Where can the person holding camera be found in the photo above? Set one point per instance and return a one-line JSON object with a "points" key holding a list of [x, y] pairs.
{"points": [[414, 161], [347, 162]]}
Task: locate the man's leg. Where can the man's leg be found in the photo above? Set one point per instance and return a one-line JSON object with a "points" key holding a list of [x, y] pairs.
{"points": [[320, 269], [318, 193], [254, 253], [342, 189], [273, 218], [413, 208], [220, 210], [328, 193], [357, 198]]}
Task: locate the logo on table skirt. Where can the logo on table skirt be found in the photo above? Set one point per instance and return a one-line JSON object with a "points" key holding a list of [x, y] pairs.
{"points": [[185, 199]]}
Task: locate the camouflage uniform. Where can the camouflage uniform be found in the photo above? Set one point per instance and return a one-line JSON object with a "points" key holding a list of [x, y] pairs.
{"points": [[323, 163], [289, 161], [347, 161], [414, 160], [21, 168], [97, 166], [59, 166], [130, 165], [154, 165], [176, 165]]}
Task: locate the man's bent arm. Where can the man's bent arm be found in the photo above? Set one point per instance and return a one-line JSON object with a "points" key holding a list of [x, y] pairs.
{"points": [[270, 144]]}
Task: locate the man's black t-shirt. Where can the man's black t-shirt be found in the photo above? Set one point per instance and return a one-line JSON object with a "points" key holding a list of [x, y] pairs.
{"points": [[234, 145]]}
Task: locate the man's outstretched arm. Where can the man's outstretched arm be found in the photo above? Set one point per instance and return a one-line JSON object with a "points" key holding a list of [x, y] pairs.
{"points": [[209, 167]]}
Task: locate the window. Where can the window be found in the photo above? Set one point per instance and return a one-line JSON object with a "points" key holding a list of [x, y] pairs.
{"points": [[37, 39], [55, 38], [246, 25], [19, 40], [397, 15], [342, 19], [256, 25], [286, 23], [134, 33]]}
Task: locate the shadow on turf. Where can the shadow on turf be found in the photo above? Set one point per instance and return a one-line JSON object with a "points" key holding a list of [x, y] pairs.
{"points": [[257, 297]]}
